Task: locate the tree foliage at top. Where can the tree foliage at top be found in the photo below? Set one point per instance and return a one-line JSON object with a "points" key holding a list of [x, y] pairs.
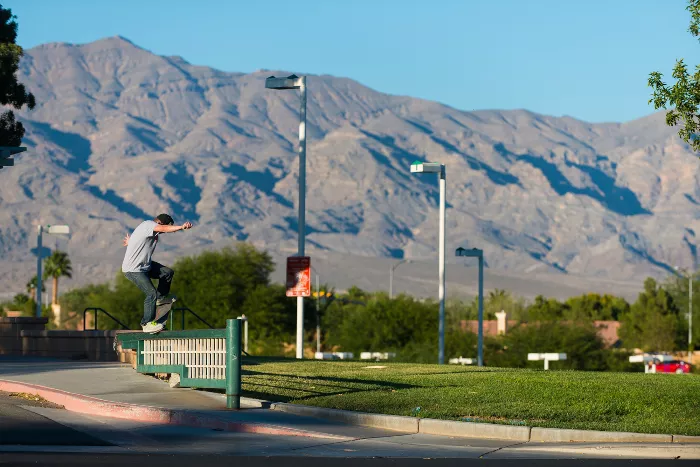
{"points": [[684, 95], [12, 92]]}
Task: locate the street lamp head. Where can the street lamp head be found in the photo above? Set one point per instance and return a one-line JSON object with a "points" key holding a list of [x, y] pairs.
{"points": [[290, 82], [473, 253], [6, 153], [58, 229], [426, 167], [400, 262]]}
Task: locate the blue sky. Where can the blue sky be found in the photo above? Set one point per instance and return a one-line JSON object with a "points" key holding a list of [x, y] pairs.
{"points": [[585, 58]]}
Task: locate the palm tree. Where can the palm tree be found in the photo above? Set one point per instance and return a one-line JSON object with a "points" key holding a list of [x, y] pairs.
{"points": [[31, 287], [57, 265]]}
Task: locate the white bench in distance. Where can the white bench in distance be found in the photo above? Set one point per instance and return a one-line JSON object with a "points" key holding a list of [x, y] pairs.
{"points": [[547, 357], [333, 356]]}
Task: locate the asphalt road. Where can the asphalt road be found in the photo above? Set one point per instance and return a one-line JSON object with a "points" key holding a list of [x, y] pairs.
{"points": [[151, 460], [19, 426]]}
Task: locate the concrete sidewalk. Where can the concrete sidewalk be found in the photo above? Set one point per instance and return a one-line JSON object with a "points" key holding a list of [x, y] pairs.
{"points": [[119, 383]]}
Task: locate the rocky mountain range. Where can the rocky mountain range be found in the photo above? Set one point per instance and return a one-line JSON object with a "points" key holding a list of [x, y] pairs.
{"points": [[120, 134]]}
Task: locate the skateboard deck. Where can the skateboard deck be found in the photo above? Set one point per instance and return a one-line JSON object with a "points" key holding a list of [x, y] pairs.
{"points": [[162, 311]]}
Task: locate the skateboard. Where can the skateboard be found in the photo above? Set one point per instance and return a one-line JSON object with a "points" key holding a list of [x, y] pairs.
{"points": [[162, 311]]}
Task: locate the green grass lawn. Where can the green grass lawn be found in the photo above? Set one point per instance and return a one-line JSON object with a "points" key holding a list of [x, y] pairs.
{"points": [[636, 402]]}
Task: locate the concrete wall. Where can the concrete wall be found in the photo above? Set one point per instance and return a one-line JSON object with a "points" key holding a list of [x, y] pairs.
{"points": [[74, 345], [11, 332], [29, 337]]}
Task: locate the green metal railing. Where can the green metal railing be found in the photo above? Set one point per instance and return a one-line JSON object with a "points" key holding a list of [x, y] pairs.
{"points": [[96, 310], [204, 358], [184, 309]]}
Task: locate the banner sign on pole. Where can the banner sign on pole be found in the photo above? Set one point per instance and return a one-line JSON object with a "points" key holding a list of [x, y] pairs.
{"points": [[298, 276]]}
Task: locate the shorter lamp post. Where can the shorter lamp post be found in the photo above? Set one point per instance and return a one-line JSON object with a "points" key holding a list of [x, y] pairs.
{"points": [[690, 311], [391, 275], [50, 229], [476, 253], [318, 311], [319, 297], [439, 169]]}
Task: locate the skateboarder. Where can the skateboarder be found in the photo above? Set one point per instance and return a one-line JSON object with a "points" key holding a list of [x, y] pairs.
{"points": [[140, 269]]}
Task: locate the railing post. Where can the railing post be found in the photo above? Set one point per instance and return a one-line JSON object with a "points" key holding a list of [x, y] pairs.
{"points": [[233, 363]]}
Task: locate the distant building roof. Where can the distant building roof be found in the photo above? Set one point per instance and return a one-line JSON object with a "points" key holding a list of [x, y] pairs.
{"points": [[608, 331]]}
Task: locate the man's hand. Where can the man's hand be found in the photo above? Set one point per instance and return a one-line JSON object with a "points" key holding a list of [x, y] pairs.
{"points": [[187, 225], [125, 242]]}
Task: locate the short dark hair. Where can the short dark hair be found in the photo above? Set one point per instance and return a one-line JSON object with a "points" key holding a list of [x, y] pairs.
{"points": [[165, 219]]}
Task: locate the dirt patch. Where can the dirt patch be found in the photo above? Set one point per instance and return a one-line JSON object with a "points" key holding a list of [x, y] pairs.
{"points": [[24, 398]]}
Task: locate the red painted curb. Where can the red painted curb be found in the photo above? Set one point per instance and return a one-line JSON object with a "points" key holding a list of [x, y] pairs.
{"points": [[93, 406]]}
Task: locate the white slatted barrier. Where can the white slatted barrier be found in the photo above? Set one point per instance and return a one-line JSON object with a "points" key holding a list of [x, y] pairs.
{"points": [[203, 358]]}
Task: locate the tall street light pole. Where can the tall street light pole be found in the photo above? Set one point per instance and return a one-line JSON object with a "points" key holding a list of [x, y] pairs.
{"points": [[437, 168], [476, 253], [391, 275], [295, 82], [50, 229]]}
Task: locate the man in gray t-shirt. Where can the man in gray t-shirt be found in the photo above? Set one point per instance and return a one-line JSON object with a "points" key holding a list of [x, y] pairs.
{"points": [[139, 268]]}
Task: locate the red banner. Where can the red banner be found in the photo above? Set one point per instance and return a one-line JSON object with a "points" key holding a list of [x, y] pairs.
{"points": [[298, 276]]}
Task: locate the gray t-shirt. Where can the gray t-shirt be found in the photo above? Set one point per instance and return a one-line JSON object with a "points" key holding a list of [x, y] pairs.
{"points": [[142, 244]]}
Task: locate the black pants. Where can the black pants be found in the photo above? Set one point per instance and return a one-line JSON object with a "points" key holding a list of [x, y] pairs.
{"points": [[143, 282]]}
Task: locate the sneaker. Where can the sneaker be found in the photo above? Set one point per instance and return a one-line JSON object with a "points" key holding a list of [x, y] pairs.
{"points": [[153, 327]]}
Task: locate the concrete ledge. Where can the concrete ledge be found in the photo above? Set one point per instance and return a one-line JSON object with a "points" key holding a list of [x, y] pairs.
{"points": [[556, 435], [473, 430], [23, 320], [68, 334], [73, 356], [389, 422], [686, 439]]}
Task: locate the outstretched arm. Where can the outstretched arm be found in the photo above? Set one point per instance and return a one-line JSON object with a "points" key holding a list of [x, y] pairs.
{"points": [[172, 228]]}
